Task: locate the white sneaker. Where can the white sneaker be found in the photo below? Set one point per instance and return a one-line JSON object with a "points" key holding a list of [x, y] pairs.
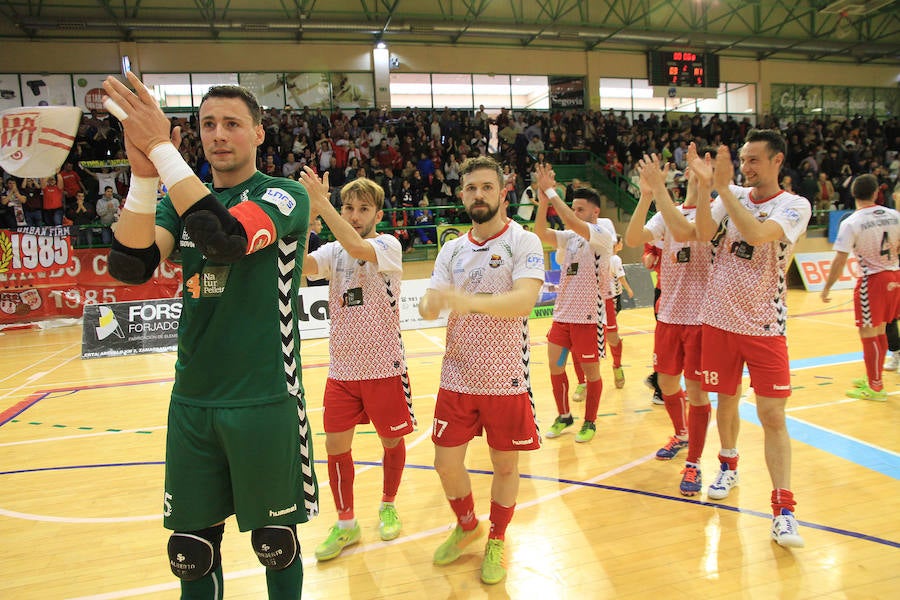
{"points": [[721, 487], [893, 361], [785, 530]]}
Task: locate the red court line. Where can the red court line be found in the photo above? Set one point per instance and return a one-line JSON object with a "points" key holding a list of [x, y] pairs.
{"points": [[16, 409]]}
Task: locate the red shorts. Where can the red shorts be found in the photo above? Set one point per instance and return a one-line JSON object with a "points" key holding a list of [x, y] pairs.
{"points": [[723, 356], [881, 296], [579, 338], [676, 349], [611, 324], [509, 421], [379, 401]]}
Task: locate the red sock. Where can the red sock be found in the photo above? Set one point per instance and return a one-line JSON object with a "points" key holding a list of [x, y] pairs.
{"points": [[393, 463], [782, 498], [560, 383], [617, 354], [500, 518], [873, 357], [579, 372], [698, 423], [592, 399], [883, 351], [730, 461], [340, 477], [464, 508], [676, 406]]}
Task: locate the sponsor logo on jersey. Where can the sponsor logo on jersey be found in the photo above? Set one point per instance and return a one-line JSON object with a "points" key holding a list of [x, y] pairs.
{"points": [[186, 241], [245, 195], [280, 198], [792, 215], [534, 261], [475, 277], [283, 511], [496, 261], [261, 239]]}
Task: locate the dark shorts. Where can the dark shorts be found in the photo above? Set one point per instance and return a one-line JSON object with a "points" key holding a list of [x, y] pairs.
{"points": [[244, 461]]}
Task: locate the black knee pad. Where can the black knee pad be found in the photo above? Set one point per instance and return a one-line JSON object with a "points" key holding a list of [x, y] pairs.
{"points": [[276, 546], [195, 554]]}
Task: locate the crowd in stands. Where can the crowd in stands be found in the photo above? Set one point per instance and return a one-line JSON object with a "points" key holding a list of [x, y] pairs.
{"points": [[414, 154]]}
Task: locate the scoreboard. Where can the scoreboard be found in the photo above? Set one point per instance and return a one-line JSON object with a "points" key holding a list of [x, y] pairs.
{"points": [[683, 68]]}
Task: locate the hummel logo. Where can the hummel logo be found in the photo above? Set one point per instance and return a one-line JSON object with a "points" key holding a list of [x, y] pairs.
{"points": [[523, 442]]}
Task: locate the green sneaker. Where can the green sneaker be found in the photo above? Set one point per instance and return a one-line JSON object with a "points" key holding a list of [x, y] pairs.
{"points": [[860, 382], [389, 525], [619, 375], [493, 566], [559, 425], [588, 429], [579, 393], [337, 540], [453, 546], [867, 393]]}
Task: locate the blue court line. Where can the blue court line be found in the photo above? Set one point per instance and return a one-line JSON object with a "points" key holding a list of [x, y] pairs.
{"points": [[610, 488], [878, 459]]}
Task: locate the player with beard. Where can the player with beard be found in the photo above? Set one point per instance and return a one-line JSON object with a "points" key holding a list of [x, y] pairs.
{"points": [[489, 280]]}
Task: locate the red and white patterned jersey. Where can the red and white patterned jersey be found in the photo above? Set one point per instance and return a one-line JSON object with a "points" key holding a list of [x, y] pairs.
{"points": [[683, 272], [616, 270], [363, 302], [487, 355], [748, 284], [581, 272], [871, 234]]}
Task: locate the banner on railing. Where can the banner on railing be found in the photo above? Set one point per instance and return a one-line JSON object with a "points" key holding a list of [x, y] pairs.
{"points": [[30, 251], [65, 291], [123, 328], [815, 266]]}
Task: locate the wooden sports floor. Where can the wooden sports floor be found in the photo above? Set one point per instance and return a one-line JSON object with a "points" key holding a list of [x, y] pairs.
{"points": [[81, 476]]}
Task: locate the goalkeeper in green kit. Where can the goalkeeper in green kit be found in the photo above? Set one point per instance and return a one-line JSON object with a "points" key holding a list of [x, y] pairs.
{"points": [[238, 438]]}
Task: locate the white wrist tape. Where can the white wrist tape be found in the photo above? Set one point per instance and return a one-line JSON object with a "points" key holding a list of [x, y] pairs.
{"points": [[551, 193], [141, 196], [169, 164]]}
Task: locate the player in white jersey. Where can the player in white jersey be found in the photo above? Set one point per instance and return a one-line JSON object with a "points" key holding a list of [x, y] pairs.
{"points": [[872, 233], [684, 270], [489, 279], [367, 378], [744, 312], [578, 315]]}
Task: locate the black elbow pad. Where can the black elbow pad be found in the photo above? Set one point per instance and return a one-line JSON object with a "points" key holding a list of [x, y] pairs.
{"points": [[215, 231], [133, 266]]}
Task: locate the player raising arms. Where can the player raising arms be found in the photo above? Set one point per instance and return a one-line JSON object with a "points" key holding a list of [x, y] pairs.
{"points": [[489, 279], [585, 245], [684, 269], [872, 233], [367, 378], [744, 313], [238, 440]]}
